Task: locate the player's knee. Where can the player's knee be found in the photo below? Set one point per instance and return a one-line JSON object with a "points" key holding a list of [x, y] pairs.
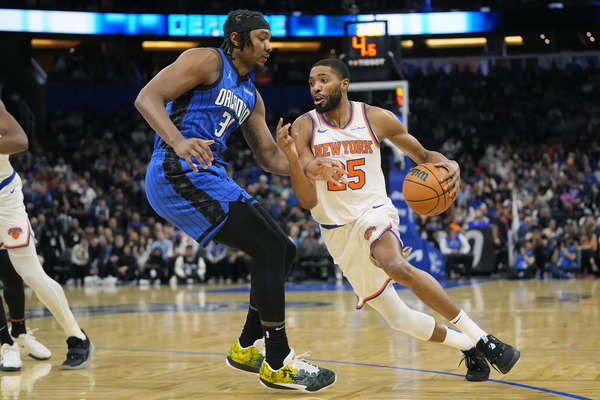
{"points": [[290, 256], [400, 270]]}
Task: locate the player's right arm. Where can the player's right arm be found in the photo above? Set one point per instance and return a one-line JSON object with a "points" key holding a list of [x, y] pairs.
{"points": [[295, 149], [302, 162], [13, 139], [192, 68]]}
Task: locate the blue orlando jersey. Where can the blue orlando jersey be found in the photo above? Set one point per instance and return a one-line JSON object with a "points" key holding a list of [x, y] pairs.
{"points": [[213, 112]]}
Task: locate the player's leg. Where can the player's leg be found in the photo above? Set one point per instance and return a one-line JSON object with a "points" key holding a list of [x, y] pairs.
{"points": [[388, 255], [14, 294], [402, 318], [10, 358], [257, 234], [27, 265]]}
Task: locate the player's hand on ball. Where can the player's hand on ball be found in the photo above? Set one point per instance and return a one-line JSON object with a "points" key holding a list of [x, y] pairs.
{"points": [[285, 141], [326, 169], [197, 148], [450, 182]]}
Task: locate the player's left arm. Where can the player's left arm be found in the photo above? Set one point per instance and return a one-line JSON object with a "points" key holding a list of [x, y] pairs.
{"points": [[386, 126], [13, 139], [261, 142]]}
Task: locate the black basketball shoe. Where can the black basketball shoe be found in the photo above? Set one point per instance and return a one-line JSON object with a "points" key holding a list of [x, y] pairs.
{"points": [[79, 353], [501, 355], [477, 367]]}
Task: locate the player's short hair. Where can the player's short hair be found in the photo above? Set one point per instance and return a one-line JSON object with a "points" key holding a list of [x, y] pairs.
{"points": [[340, 68], [242, 22]]}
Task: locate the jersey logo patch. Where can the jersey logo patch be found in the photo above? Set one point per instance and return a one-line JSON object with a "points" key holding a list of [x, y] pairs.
{"points": [[369, 232], [15, 232]]}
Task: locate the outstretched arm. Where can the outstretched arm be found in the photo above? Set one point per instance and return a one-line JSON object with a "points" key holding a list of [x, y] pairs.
{"points": [[192, 68], [296, 147], [13, 139], [386, 126], [259, 138]]}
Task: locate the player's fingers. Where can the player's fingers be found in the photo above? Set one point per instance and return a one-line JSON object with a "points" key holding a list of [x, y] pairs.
{"points": [[205, 151], [188, 160], [201, 159], [279, 124]]}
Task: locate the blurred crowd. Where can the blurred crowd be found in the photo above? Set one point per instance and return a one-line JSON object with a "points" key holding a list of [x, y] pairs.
{"points": [[520, 129], [519, 133]]}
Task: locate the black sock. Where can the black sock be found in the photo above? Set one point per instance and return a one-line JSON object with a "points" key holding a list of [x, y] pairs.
{"points": [[17, 327], [276, 344], [4, 336], [252, 329]]}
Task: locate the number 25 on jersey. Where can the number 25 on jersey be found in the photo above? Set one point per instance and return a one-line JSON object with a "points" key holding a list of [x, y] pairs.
{"points": [[356, 177]]}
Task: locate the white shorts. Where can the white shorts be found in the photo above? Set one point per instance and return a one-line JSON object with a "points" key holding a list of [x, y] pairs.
{"points": [[350, 247], [15, 230]]}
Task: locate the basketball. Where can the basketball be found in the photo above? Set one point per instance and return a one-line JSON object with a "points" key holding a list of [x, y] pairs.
{"points": [[423, 191]]}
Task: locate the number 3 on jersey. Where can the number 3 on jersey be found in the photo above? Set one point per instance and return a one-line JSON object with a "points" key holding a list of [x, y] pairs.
{"points": [[356, 177], [224, 124]]}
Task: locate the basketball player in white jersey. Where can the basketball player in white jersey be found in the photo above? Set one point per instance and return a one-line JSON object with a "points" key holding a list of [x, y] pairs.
{"points": [[17, 238], [359, 223]]}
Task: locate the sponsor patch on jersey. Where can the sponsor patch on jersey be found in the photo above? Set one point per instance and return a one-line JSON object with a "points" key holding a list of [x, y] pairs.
{"points": [[15, 232], [369, 232]]}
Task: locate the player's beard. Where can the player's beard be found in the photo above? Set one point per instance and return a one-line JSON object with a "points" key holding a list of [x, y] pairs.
{"points": [[331, 103]]}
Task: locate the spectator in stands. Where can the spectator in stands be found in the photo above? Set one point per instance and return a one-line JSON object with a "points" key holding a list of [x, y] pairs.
{"points": [[156, 268], [190, 267], [524, 267], [589, 252], [564, 260], [80, 258], [216, 254], [456, 248]]}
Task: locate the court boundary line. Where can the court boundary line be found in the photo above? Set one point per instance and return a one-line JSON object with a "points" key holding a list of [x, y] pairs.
{"points": [[394, 367]]}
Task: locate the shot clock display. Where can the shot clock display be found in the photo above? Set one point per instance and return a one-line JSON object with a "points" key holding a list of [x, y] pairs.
{"points": [[366, 43]]}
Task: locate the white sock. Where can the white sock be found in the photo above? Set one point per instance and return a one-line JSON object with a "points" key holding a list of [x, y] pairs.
{"points": [[470, 328], [458, 340], [49, 292]]}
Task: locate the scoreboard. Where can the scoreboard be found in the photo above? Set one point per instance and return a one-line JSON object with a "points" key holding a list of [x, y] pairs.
{"points": [[366, 44]]}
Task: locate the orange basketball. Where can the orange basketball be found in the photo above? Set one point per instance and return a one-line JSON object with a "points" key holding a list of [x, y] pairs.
{"points": [[423, 191]]}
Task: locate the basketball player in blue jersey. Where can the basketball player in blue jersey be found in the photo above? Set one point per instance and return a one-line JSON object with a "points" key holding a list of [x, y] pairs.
{"points": [[194, 105], [360, 224]]}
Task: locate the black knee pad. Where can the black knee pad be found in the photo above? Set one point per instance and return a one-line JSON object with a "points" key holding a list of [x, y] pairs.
{"points": [[290, 256]]}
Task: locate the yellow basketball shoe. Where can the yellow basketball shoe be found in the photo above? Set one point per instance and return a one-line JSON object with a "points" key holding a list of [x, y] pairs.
{"points": [[247, 359], [296, 374]]}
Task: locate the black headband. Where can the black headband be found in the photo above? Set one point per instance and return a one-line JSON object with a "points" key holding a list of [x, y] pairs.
{"points": [[249, 23]]}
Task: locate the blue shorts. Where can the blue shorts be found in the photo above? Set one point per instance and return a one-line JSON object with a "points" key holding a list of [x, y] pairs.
{"points": [[195, 202]]}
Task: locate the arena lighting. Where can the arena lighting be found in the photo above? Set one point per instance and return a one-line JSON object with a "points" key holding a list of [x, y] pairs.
{"points": [[513, 40], [588, 34], [407, 44], [158, 45], [542, 36], [53, 43], [547, 41], [203, 25], [296, 46], [456, 42]]}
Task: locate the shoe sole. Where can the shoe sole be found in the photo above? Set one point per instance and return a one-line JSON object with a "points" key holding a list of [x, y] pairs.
{"points": [[39, 358], [240, 367], [292, 387], [506, 369], [83, 364], [477, 379], [9, 369]]}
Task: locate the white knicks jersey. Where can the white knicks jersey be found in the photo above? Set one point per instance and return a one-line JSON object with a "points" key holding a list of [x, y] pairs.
{"points": [[357, 147], [6, 169]]}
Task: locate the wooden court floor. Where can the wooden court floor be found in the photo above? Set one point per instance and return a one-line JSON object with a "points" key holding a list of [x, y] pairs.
{"points": [[165, 343]]}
